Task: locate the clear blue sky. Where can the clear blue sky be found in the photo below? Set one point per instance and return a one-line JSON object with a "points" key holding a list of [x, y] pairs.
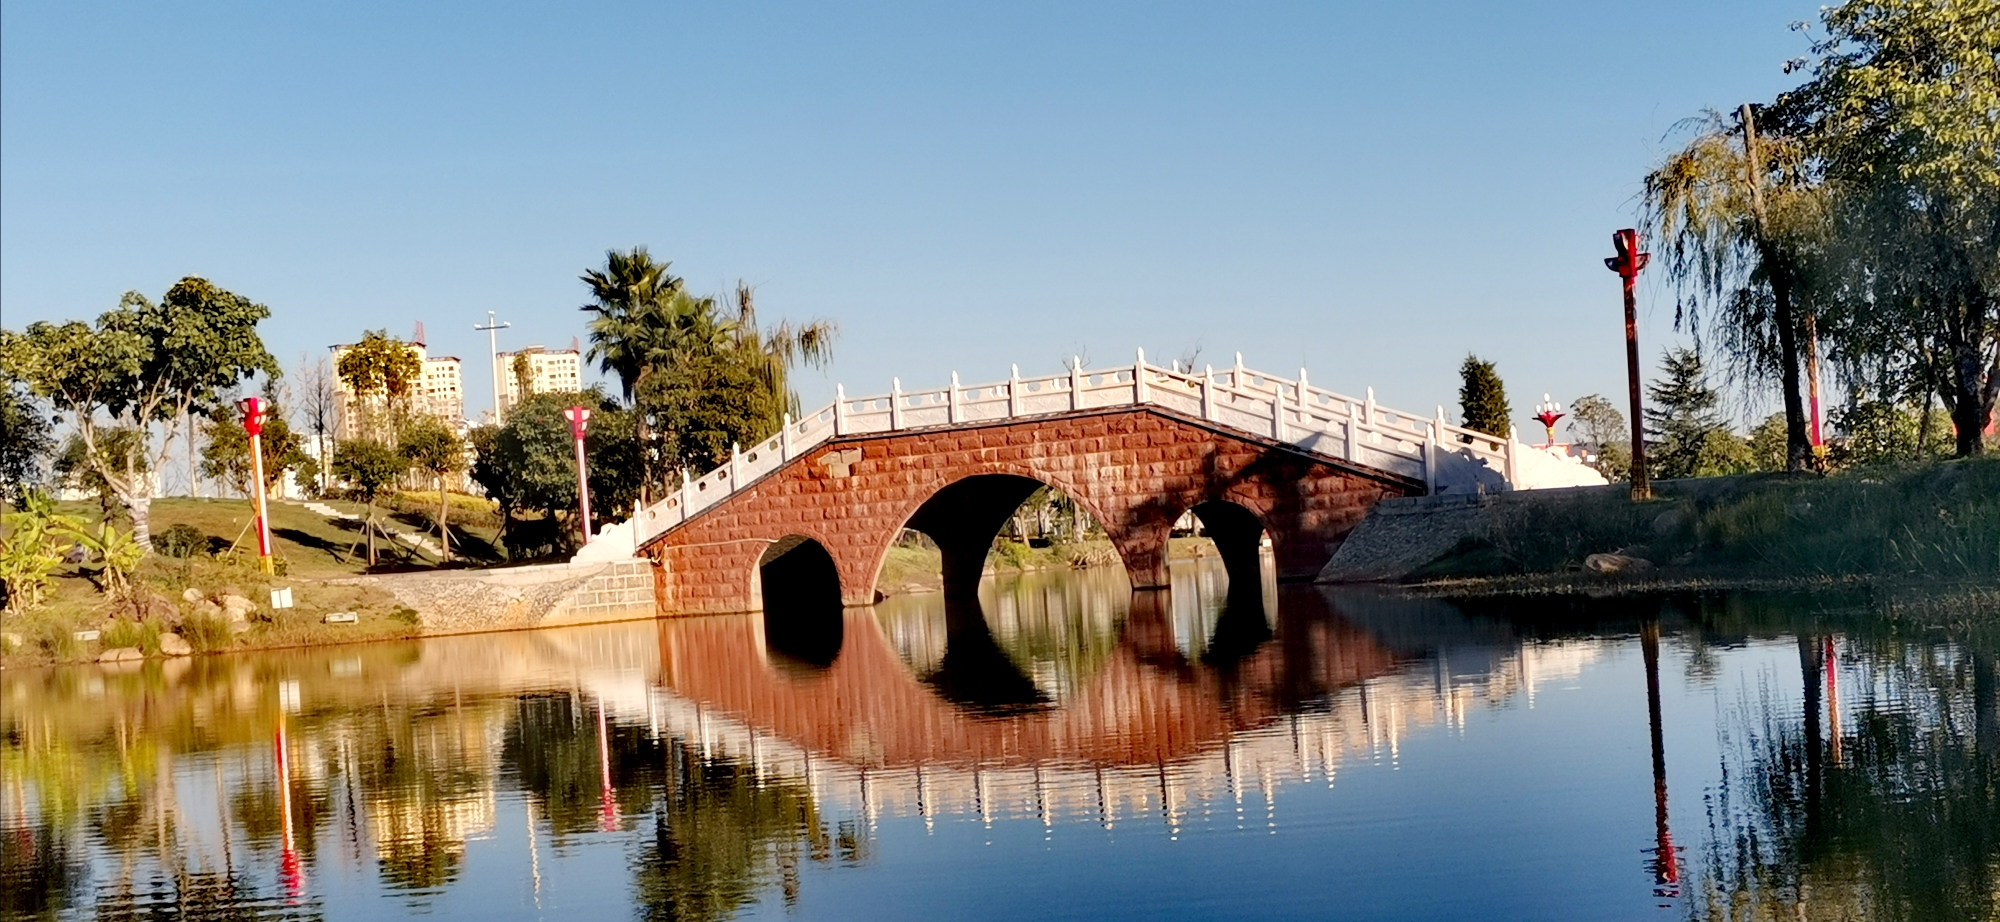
{"points": [[1370, 190]]}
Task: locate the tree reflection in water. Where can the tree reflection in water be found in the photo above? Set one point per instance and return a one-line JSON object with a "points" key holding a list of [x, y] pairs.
{"points": [[1903, 824]]}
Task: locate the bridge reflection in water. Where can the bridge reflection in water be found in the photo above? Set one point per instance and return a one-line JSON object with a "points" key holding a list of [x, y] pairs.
{"points": [[1065, 698]]}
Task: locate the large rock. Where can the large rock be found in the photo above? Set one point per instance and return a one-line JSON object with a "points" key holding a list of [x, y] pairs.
{"points": [[207, 609], [175, 645], [191, 595], [120, 654], [1615, 564], [237, 607]]}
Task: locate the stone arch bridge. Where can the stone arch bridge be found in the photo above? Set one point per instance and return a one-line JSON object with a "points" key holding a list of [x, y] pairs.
{"points": [[1251, 454]]}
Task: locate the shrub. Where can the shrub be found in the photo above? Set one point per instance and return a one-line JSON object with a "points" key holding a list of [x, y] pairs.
{"points": [[181, 541]]}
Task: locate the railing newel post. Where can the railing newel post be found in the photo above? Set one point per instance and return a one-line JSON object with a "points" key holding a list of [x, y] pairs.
{"points": [[953, 413], [1208, 394], [785, 439], [1508, 454], [1014, 392], [840, 409], [1236, 374], [895, 404], [735, 465], [1139, 394], [1076, 382]]}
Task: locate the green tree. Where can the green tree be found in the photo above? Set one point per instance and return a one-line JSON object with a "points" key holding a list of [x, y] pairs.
{"points": [[1902, 115], [1880, 432], [372, 468], [1601, 429], [529, 463], [1686, 436], [226, 456], [1483, 399], [1768, 447], [74, 469], [142, 365], [432, 447], [26, 439], [380, 371]]}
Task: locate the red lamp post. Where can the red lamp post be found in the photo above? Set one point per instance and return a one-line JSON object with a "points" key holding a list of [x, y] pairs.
{"points": [[1627, 264], [1547, 412], [579, 420], [253, 424]]}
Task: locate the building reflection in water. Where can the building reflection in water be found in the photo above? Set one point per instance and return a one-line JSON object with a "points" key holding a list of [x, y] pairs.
{"points": [[727, 764]]}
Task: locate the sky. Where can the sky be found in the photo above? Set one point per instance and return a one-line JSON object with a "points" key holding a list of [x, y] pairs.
{"points": [[1370, 191]]}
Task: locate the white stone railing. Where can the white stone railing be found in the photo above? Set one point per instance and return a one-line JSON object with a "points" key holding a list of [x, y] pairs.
{"points": [[1293, 412]]}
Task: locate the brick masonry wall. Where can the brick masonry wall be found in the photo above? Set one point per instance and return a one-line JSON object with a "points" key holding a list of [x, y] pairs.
{"points": [[1134, 469]]}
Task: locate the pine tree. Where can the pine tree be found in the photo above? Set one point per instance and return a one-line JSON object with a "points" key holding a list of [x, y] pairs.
{"points": [[1484, 399], [1685, 434]]}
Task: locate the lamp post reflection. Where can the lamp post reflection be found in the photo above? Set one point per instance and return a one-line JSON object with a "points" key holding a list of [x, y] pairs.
{"points": [[607, 810], [1666, 867], [289, 869], [1832, 696]]}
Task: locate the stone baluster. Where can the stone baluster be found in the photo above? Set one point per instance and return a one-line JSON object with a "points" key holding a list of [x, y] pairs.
{"points": [[895, 403], [1278, 414], [1139, 394], [1208, 394], [1369, 416], [1076, 382], [839, 409], [1014, 391], [1353, 448], [953, 413]]}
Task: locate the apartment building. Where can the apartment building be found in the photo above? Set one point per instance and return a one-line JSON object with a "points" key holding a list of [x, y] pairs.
{"points": [[548, 372], [439, 390]]}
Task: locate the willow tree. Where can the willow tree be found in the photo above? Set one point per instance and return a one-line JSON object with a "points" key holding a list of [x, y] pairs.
{"points": [[1739, 225], [1902, 115], [143, 367]]}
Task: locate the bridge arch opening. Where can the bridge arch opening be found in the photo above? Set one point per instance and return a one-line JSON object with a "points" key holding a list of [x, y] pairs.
{"points": [[799, 586], [997, 520], [1241, 541]]}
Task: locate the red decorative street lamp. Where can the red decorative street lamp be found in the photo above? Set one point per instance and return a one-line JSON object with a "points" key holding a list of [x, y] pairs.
{"points": [[1548, 411], [253, 423], [1627, 264], [579, 420]]}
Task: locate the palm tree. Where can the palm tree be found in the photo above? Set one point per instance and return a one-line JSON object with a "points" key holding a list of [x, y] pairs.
{"points": [[1740, 254], [631, 297]]}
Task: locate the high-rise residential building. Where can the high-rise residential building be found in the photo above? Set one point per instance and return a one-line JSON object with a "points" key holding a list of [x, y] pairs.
{"points": [[439, 390], [548, 372]]}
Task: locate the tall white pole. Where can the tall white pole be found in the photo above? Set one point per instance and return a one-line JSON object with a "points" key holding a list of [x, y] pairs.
{"points": [[492, 329]]}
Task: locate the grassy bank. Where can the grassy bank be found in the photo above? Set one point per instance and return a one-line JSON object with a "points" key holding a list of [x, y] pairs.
{"points": [[1932, 532], [309, 548]]}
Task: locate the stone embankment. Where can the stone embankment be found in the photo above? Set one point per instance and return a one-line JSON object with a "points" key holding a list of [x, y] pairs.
{"points": [[1402, 535], [516, 598]]}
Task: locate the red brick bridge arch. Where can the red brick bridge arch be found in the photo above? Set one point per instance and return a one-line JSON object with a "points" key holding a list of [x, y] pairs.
{"points": [[1135, 469]]}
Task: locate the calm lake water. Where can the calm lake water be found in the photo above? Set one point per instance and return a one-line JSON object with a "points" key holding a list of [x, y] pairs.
{"points": [[1063, 749]]}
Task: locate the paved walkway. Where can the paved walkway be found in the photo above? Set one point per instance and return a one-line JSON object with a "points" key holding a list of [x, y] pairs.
{"points": [[413, 539]]}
